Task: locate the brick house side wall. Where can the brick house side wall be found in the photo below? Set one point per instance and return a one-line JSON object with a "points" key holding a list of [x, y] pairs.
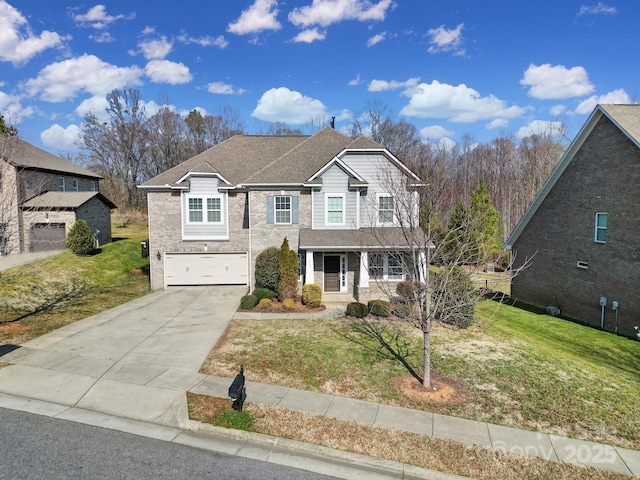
{"points": [[9, 212], [603, 176], [98, 216], [34, 182], [265, 235], [165, 230], [68, 217]]}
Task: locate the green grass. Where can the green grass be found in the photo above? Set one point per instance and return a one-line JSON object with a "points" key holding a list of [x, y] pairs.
{"points": [[114, 275], [514, 368]]}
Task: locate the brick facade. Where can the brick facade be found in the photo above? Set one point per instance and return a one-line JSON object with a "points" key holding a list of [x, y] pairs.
{"points": [[602, 176]]}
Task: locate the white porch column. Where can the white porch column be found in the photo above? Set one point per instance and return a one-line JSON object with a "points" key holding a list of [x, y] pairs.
{"points": [[364, 269], [422, 267], [308, 271]]}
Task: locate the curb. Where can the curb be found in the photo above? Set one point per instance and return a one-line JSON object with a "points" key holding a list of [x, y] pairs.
{"points": [[256, 446]]}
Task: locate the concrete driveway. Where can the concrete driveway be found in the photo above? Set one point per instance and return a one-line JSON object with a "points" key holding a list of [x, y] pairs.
{"points": [[134, 361]]}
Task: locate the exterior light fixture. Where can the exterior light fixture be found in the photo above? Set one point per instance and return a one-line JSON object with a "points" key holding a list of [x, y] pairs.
{"points": [[158, 255]]}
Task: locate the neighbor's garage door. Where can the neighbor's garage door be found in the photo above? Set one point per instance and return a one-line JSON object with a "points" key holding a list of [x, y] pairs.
{"points": [[47, 236], [206, 268]]}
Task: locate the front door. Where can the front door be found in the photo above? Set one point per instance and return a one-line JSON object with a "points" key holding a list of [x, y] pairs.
{"points": [[332, 273]]}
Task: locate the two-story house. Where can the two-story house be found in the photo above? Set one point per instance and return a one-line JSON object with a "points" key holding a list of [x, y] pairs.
{"points": [[581, 233], [331, 196], [42, 196]]}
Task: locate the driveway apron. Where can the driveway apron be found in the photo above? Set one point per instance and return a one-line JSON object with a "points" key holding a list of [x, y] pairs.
{"points": [[135, 361]]}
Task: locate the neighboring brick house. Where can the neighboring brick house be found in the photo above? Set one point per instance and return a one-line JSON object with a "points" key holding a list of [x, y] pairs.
{"points": [[42, 196], [210, 216], [582, 231]]}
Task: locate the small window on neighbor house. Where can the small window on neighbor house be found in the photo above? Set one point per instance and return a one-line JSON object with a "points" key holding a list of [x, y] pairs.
{"points": [[61, 184], [92, 185], [385, 209], [75, 184], [282, 209], [395, 267], [376, 266], [601, 228]]}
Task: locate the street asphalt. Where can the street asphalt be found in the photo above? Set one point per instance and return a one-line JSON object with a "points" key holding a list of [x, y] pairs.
{"points": [[129, 369]]}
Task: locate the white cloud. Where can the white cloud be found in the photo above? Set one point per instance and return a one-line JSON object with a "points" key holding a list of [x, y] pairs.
{"points": [[497, 123], [61, 138], [557, 110], [443, 40], [12, 110], [309, 36], [356, 81], [102, 37], [207, 41], [376, 39], [97, 105], [456, 103], [222, 88], [165, 71], [617, 96], [156, 49], [18, 44], [597, 9], [98, 18], [435, 132], [289, 106], [151, 108], [541, 127], [328, 12], [61, 81], [556, 82], [383, 85], [258, 17]]}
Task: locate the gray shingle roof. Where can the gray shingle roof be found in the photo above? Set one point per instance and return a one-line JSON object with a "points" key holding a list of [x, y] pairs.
{"points": [[65, 200], [627, 117], [378, 238], [25, 155], [251, 159]]}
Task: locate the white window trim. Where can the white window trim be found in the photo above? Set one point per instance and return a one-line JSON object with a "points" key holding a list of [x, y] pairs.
{"points": [[205, 220], [93, 186], [275, 210], [597, 229], [385, 267], [326, 209], [393, 213], [62, 184], [74, 184]]}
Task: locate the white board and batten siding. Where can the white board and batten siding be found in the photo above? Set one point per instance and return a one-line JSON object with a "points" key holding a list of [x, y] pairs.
{"points": [[206, 268]]}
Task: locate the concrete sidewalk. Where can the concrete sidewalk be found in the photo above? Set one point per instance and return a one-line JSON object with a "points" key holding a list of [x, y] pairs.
{"points": [[130, 367]]}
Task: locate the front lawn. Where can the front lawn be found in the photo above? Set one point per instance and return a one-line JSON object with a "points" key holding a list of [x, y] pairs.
{"points": [[515, 368], [67, 288]]}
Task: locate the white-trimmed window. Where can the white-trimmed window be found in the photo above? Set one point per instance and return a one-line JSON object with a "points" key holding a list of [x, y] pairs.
{"points": [[74, 184], [204, 209], [61, 185], [335, 211], [385, 208], [386, 266], [601, 227], [92, 185], [282, 209]]}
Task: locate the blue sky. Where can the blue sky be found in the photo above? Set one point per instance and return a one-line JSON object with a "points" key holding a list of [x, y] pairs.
{"points": [[483, 68]]}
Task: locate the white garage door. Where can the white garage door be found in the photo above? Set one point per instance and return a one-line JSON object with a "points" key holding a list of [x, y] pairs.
{"points": [[206, 268]]}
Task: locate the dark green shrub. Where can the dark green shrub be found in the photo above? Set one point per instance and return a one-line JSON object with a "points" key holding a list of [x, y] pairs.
{"points": [[248, 302], [402, 309], [312, 295], [288, 287], [261, 293], [268, 269], [357, 310], [80, 239], [379, 308], [406, 290]]}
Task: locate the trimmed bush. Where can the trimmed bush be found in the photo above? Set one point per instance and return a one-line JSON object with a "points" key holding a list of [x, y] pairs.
{"points": [[379, 308], [289, 304], [262, 293], [402, 309], [312, 295], [357, 310], [265, 304], [80, 239], [248, 302], [268, 269], [288, 287]]}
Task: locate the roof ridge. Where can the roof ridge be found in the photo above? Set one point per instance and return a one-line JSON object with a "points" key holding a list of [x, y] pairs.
{"points": [[308, 137]]}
